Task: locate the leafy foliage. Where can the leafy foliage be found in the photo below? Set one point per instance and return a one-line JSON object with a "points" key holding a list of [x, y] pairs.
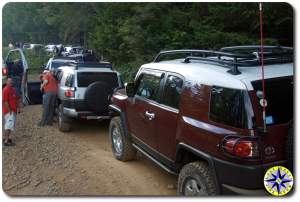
{"points": [[130, 34]]}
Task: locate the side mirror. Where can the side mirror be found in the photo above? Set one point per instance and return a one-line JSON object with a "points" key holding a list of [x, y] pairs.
{"points": [[129, 88]]}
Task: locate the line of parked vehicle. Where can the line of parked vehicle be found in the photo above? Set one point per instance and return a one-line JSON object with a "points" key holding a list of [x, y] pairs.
{"points": [[195, 113], [64, 50]]}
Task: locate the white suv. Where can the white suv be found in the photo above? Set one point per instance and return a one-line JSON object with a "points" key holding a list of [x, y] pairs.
{"points": [[84, 91]]}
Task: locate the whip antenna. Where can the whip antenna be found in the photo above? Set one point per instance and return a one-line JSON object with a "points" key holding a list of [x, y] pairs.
{"points": [[264, 102]]}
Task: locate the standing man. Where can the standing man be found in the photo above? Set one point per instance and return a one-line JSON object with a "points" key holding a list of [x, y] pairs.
{"points": [[49, 87], [10, 101]]}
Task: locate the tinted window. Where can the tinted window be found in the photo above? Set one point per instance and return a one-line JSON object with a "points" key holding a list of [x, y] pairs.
{"points": [[279, 95], [69, 80], [227, 107], [149, 86], [59, 75], [172, 91], [84, 79]]}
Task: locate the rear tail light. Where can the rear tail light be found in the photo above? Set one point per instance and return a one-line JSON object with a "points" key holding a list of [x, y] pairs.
{"points": [[242, 147], [69, 93], [4, 71]]}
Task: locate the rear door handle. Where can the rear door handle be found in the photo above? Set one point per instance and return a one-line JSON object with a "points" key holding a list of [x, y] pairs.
{"points": [[149, 115]]}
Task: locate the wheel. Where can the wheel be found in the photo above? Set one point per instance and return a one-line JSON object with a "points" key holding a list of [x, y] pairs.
{"points": [[64, 124], [121, 144], [195, 179], [290, 149]]}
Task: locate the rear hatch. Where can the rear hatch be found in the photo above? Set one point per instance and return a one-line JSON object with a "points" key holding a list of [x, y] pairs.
{"points": [[279, 115], [85, 79]]}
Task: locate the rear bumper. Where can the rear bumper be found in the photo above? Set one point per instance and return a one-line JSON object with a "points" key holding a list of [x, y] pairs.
{"points": [[240, 179], [83, 114]]}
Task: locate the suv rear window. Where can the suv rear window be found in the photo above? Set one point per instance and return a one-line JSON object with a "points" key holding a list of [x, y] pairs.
{"points": [[279, 96], [84, 79], [227, 107]]}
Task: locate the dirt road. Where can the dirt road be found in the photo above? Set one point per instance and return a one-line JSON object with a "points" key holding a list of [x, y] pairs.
{"points": [[48, 162]]}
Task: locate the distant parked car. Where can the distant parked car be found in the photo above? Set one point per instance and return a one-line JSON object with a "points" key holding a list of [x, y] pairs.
{"points": [[32, 46], [69, 50], [50, 48]]}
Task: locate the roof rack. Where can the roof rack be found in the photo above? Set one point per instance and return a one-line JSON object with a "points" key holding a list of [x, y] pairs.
{"points": [[63, 58], [256, 48], [101, 64], [232, 57]]}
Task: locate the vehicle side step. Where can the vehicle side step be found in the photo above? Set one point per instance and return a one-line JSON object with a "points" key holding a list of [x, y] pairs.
{"points": [[154, 160]]}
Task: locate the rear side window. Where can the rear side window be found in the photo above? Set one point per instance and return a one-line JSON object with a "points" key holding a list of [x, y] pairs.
{"points": [[84, 79], [172, 91], [69, 80], [59, 75], [149, 86], [227, 107]]}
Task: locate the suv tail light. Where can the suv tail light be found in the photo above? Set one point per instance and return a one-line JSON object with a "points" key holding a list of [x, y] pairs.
{"points": [[242, 147], [69, 93], [4, 71]]}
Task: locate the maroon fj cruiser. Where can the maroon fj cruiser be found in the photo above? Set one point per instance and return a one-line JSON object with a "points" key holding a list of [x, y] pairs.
{"points": [[198, 113]]}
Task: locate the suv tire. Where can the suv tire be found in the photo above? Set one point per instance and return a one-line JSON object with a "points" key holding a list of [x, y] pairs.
{"points": [[121, 144], [97, 96], [195, 179], [64, 124]]}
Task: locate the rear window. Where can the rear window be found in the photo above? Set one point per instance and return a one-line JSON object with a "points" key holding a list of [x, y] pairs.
{"points": [[280, 99], [84, 79]]}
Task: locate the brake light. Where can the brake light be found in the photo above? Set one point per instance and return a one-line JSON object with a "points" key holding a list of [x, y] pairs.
{"points": [[69, 93], [4, 71], [241, 147]]}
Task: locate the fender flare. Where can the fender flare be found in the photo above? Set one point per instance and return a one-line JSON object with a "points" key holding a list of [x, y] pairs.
{"points": [[116, 111], [202, 155]]}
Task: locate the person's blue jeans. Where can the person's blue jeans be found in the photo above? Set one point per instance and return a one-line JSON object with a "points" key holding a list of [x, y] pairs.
{"points": [[49, 99]]}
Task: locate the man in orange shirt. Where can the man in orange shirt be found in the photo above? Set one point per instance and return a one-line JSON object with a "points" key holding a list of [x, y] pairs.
{"points": [[49, 87]]}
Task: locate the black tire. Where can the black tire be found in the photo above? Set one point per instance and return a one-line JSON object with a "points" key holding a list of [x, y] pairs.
{"points": [[290, 149], [127, 151], [196, 176], [64, 124], [97, 96]]}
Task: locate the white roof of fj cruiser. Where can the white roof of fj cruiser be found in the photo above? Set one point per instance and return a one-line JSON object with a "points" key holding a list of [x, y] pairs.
{"points": [[212, 74]]}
